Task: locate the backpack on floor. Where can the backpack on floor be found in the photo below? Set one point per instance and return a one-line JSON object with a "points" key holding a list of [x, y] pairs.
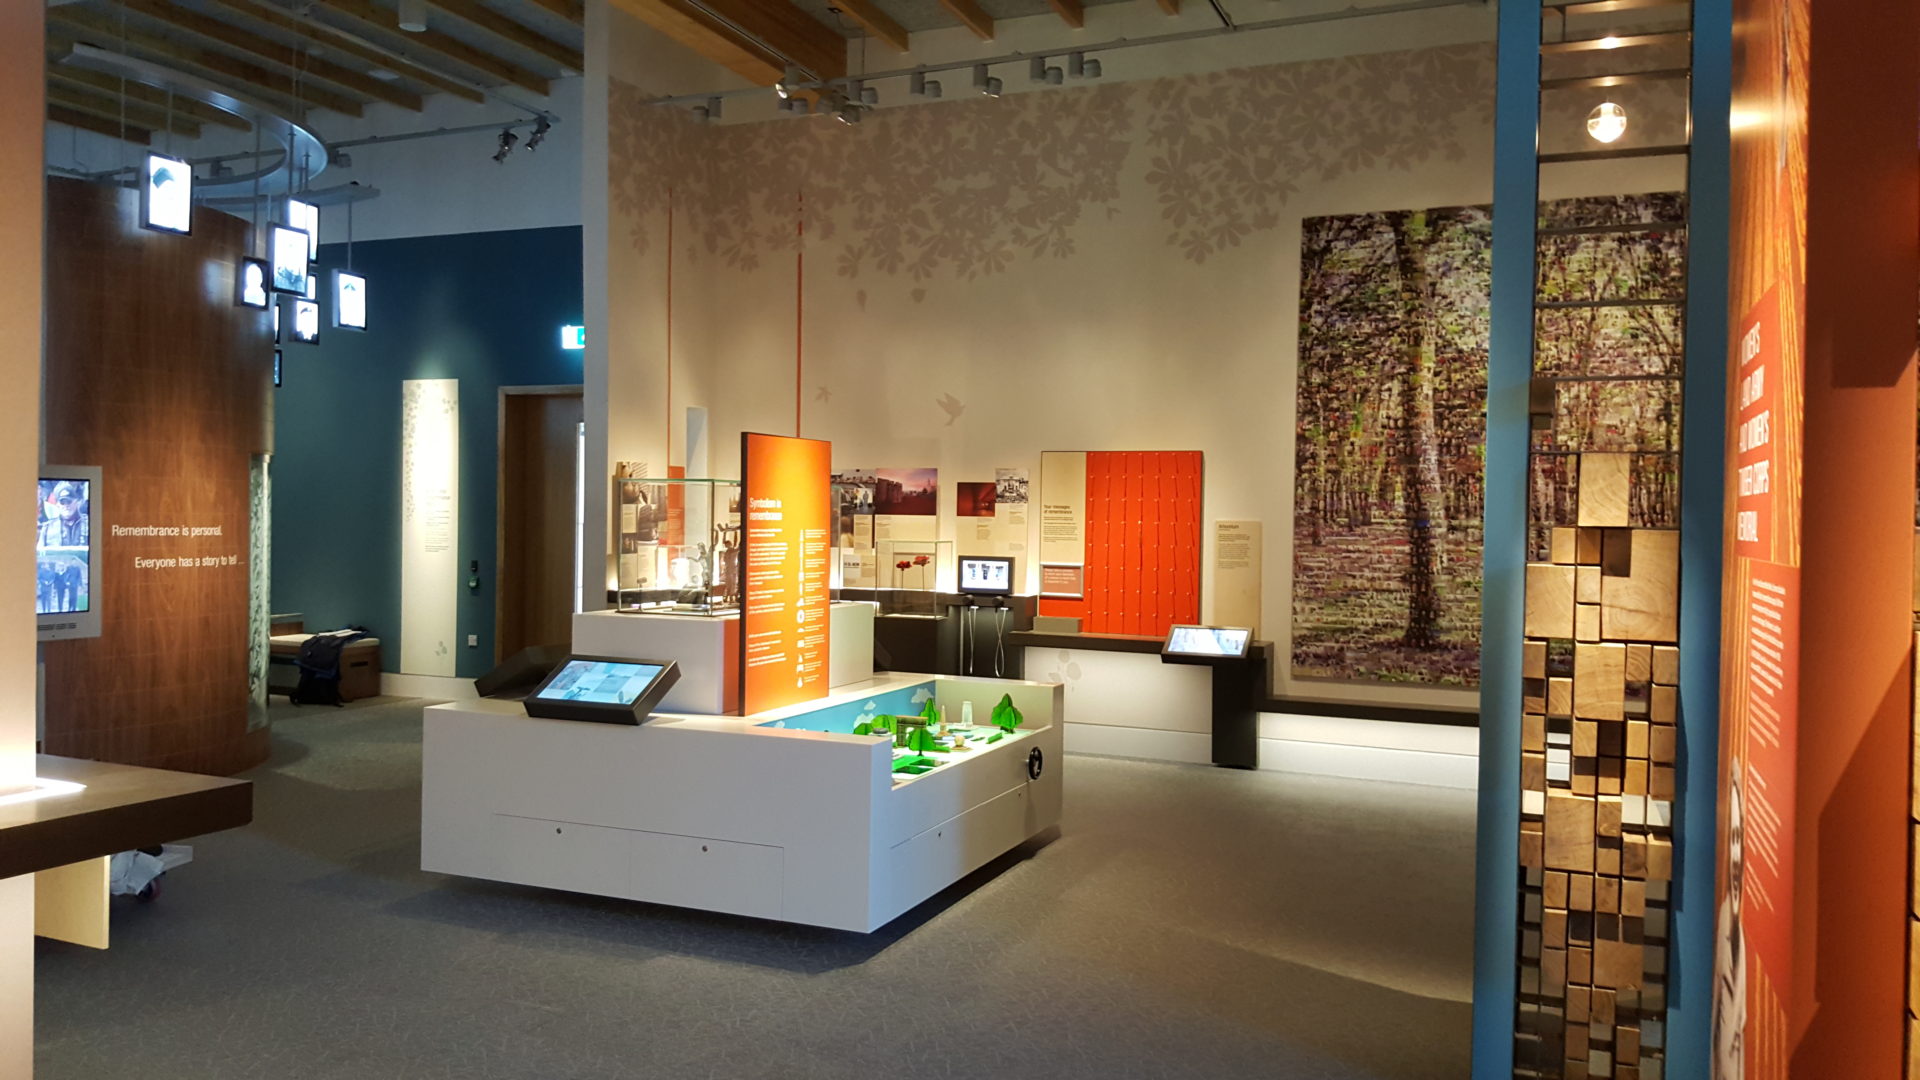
{"points": [[320, 666]]}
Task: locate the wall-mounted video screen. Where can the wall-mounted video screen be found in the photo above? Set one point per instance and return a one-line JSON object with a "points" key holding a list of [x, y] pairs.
{"points": [[250, 283], [306, 321], [603, 689], [305, 216], [65, 581], [349, 300], [292, 266], [166, 194], [986, 575], [1226, 642]]}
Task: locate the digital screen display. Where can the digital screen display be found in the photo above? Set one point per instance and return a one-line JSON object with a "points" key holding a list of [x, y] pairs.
{"points": [[993, 576], [349, 300], [306, 217], [166, 197], [276, 367], [306, 321], [63, 548], [1208, 640], [287, 249], [253, 283], [600, 682]]}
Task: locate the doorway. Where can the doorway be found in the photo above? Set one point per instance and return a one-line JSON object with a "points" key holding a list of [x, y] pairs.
{"points": [[539, 458]]}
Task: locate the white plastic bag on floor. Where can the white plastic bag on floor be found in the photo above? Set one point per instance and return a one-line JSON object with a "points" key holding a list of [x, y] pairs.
{"points": [[132, 871]]}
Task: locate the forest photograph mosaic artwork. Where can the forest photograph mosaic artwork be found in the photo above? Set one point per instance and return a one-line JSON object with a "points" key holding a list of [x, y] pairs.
{"points": [[1391, 431]]}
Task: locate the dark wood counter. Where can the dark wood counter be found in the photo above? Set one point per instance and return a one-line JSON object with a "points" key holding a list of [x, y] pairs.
{"points": [[123, 807]]}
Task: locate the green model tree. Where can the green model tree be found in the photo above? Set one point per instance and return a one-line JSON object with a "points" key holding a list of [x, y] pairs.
{"points": [[921, 740], [1005, 716], [931, 713]]}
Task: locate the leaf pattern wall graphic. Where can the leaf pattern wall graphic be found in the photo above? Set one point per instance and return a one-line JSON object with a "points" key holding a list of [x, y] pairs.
{"points": [[1391, 430], [956, 190]]}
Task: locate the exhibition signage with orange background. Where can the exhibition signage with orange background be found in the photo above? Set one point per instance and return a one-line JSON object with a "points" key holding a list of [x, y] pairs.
{"points": [[784, 636]]}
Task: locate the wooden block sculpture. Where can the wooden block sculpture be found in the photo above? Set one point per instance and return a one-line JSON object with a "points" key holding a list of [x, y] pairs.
{"points": [[1601, 673]]}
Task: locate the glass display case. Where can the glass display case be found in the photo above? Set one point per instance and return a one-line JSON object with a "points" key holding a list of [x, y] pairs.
{"points": [[678, 544], [904, 576]]}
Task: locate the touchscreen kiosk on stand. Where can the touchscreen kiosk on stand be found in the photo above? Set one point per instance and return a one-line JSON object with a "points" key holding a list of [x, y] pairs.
{"points": [[603, 689], [1238, 686]]}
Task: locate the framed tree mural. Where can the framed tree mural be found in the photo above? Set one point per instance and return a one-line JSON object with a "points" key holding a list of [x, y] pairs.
{"points": [[1391, 431]]}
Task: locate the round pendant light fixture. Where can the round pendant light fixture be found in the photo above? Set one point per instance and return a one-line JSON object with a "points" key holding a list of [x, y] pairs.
{"points": [[1607, 122]]}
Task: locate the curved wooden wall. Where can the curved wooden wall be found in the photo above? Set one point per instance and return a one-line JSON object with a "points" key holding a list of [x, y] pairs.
{"points": [[153, 374]]}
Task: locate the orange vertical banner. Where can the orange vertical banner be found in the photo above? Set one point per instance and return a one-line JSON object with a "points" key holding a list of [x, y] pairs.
{"points": [[784, 638]]}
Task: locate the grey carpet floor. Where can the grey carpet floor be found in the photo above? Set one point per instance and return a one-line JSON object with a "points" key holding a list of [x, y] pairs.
{"points": [[1187, 922]]}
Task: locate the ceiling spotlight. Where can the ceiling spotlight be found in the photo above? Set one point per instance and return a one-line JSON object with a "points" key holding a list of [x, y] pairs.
{"points": [[413, 16], [1092, 69], [986, 84], [920, 86], [1076, 65], [848, 114], [539, 135], [869, 95], [785, 88], [507, 141], [1037, 69], [1607, 122], [340, 159]]}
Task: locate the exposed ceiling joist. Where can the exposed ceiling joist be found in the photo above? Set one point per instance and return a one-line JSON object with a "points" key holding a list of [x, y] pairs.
{"points": [[571, 10], [73, 118], [113, 110], [105, 33], [58, 74], [1171, 7], [385, 22], [274, 52], [1070, 12], [512, 32], [697, 30], [875, 22], [328, 37], [788, 31], [971, 17]]}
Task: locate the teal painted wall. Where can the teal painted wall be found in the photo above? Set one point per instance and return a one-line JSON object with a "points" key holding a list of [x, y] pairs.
{"points": [[484, 308]]}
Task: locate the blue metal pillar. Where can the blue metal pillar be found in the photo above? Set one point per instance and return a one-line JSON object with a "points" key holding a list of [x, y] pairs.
{"points": [[1496, 919]]}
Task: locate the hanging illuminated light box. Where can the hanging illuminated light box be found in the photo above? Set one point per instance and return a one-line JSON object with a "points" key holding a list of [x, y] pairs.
{"points": [[349, 300], [306, 321], [292, 268], [305, 216], [166, 195], [250, 284], [276, 367]]}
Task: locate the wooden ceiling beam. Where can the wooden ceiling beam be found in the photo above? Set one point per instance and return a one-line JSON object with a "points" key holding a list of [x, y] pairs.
{"points": [[788, 32], [328, 37], [295, 60], [875, 22], [386, 22], [1171, 7], [115, 109], [971, 17], [512, 32], [571, 10], [105, 33], [693, 28], [1070, 12], [67, 75], [73, 118]]}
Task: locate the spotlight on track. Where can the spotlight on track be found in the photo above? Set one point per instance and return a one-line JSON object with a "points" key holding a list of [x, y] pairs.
{"points": [[1079, 67], [920, 86], [709, 111], [507, 141], [1038, 71], [539, 135], [785, 88], [987, 85]]}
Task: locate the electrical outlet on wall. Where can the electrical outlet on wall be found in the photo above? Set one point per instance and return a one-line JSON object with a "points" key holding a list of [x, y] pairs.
{"points": [[473, 641]]}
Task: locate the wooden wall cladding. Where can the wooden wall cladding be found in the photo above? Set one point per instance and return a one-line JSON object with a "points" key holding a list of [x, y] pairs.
{"points": [[1143, 539], [157, 377]]}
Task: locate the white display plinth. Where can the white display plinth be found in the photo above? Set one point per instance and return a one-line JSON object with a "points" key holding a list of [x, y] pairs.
{"points": [[707, 648], [724, 814]]}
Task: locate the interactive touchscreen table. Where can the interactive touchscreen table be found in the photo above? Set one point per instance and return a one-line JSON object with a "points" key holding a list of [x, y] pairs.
{"points": [[603, 689]]}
